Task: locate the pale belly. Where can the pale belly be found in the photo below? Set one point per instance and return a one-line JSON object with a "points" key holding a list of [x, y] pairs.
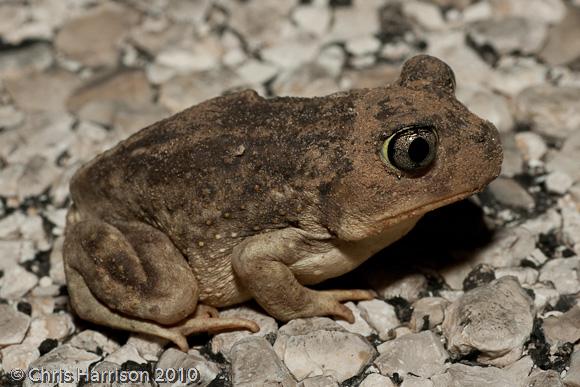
{"points": [[342, 257]]}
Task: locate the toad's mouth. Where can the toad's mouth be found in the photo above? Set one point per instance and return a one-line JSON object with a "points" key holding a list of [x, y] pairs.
{"points": [[419, 211]]}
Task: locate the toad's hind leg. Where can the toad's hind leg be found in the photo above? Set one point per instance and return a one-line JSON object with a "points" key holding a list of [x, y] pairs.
{"points": [[130, 276]]}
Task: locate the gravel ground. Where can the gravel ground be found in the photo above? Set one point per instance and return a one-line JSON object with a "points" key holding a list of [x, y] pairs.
{"points": [[481, 293]]}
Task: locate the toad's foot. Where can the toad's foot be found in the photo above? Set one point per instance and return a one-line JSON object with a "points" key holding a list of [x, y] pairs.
{"points": [[329, 302]]}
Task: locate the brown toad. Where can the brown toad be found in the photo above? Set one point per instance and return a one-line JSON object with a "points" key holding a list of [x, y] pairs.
{"points": [[242, 197]]}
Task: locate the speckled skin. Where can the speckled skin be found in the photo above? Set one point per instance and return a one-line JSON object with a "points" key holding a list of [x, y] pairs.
{"points": [[243, 197]]}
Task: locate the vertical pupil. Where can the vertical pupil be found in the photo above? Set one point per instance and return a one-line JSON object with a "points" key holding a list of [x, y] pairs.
{"points": [[418, 150]]}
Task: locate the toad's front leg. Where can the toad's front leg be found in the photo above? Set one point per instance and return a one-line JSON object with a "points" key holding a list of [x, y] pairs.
{"points": [[263, 264]]}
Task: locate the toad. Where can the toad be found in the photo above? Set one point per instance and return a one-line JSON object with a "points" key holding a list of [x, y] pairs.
{"points": [[242, 197]]}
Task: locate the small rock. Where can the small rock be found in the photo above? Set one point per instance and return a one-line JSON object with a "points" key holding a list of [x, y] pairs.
{"points": [[407, 286], [457, 4], [311, 347], [254, 363], [564, 273], [63, 359], [543, 224], [525, 275], [481, 275], [319, 381], [20, 61], [331, 59], [548, 378], [531, 146], [363, 45], [192, 12], [416, 381], [125, 353], [402, 331], [42, 91], [309, 80], [201, 55], [360, 325], [562, 47], [495, 319], [158, 74], [256, 72], [477, 11], [564, 328], [45, 288], [381, 316], [94, 38], [90, 138], [396, 52], [425, 14], [13, 325], [460, 375], [507, 249], [513, 163], [542, 11], [42, 305], [103, 97], [17, 282], [564, 161], [451, 295], [205, 371], [224, 342], [10, 117], [420, 354], [291, 54], [18, 356], [183, 91], [52, 326], [558, 182], [156, 34], [572, 378], [377, 380], [469, 68], [510, 193], [544, 296], [32, 178], [455, 275], [262, 24], [94, 341], [32, 229], [514, 74], [363, 61], [550, 110], [56, 216], [494, 107], [149, 347], [11, 17], [520, 369], [575, 192], [15, 251], [43, 136], [428, 312], [57, 263], [314, 18], [358, 20], [513, 34]]}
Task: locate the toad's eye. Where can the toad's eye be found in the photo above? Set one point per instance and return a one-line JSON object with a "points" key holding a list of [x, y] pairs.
{"points": [[412, 149]]}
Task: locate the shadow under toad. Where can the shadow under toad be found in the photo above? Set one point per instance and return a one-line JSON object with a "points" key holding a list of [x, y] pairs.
{"points": [[443, 239]]}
